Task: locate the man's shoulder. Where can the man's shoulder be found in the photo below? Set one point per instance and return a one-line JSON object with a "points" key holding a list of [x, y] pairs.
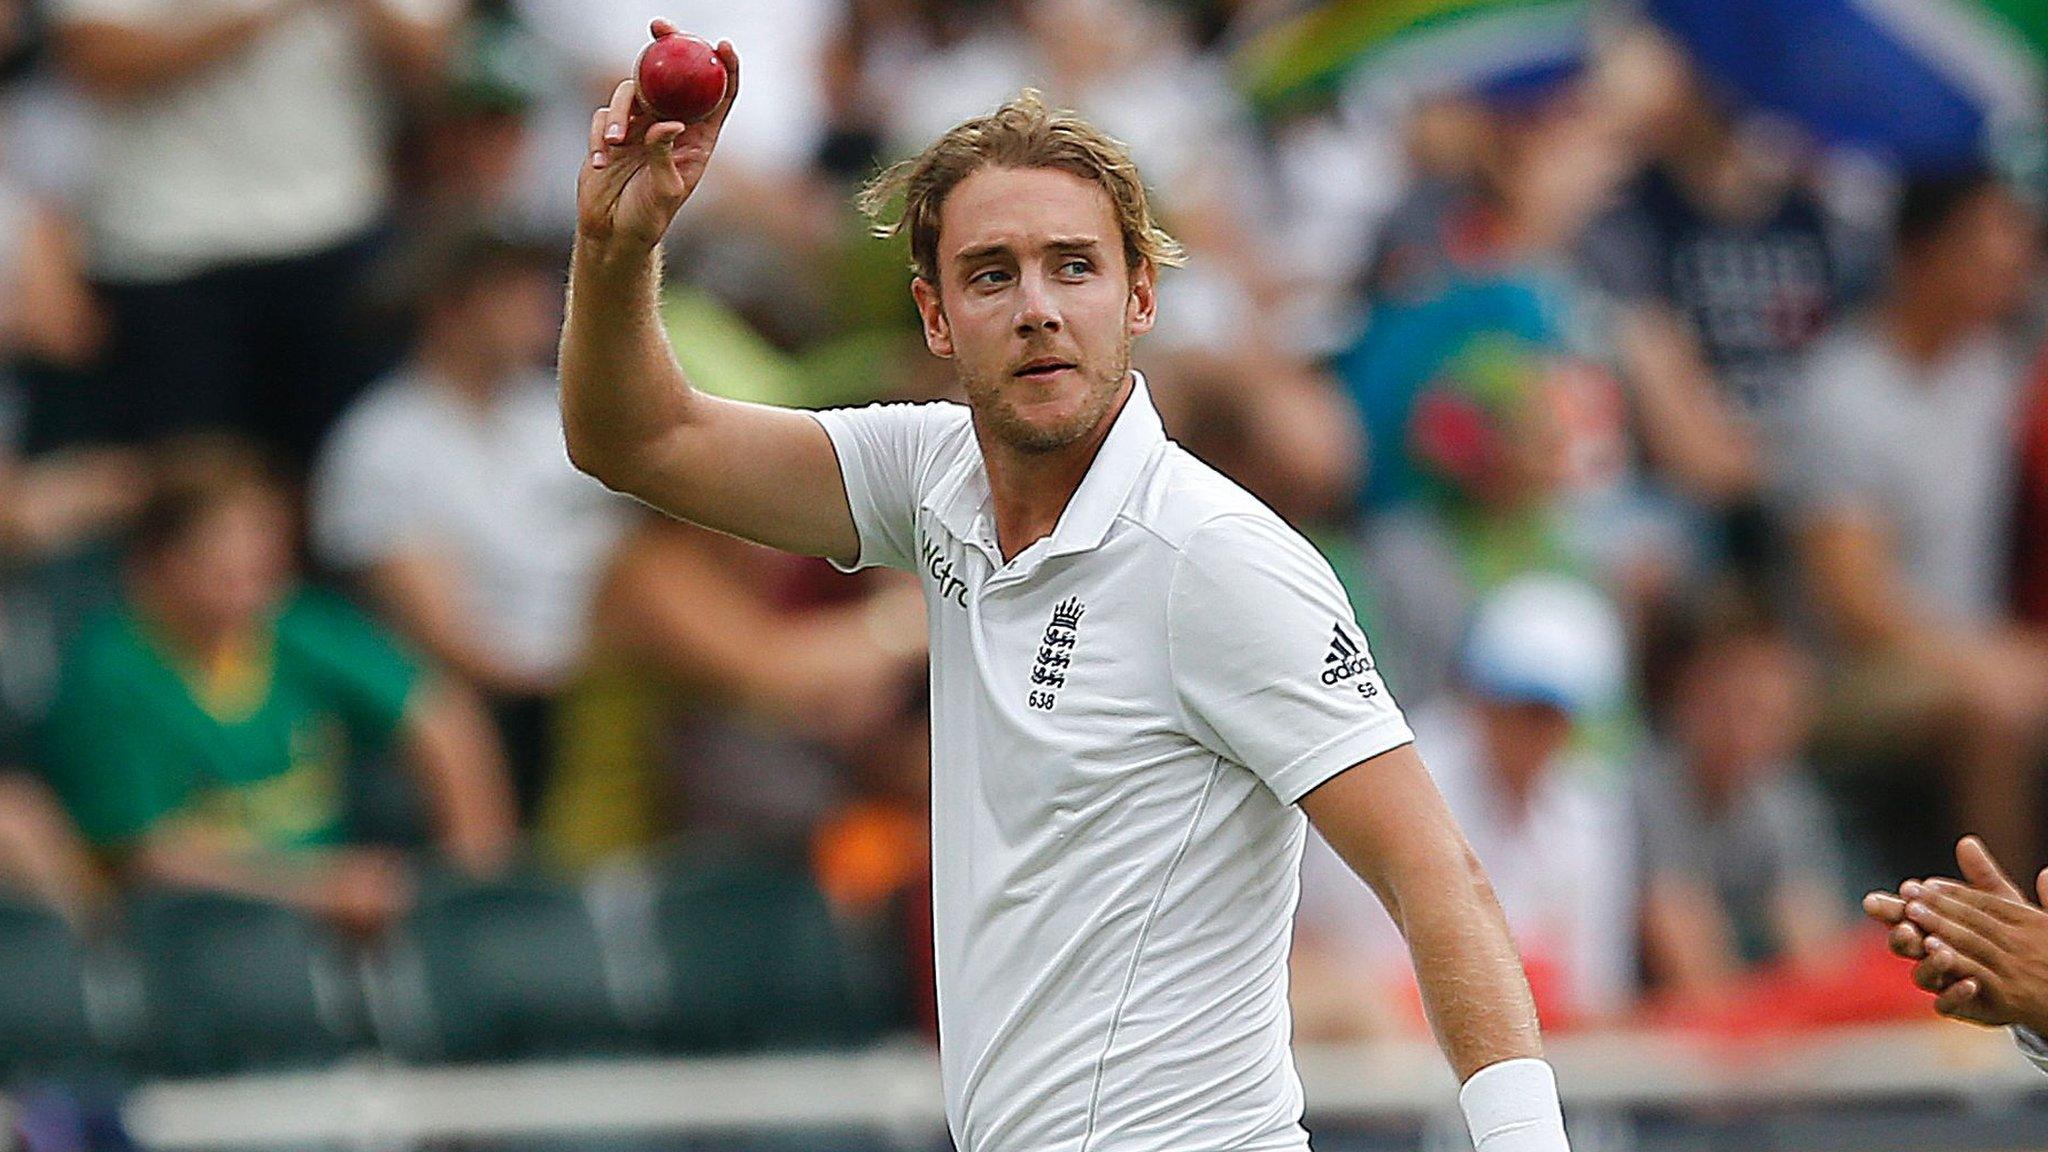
{"points": [[1848, 355], [933, 429], [1185, 503], [109, 644], [399, 408]]}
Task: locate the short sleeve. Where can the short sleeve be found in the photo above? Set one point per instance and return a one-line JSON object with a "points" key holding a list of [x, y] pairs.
{"points": [[369, 675], [1801, 831], [1668, 832], [1620, 255], [114, 785], [1269, 666], [885, 458], [360, 497], [1830, 461]]}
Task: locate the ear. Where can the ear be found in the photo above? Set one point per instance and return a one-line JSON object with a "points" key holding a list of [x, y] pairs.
{"points": [[1143, 306], [938, 332]]}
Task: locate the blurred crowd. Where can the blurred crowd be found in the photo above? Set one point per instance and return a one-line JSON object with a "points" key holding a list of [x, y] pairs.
{"points": [[1690, 479]]}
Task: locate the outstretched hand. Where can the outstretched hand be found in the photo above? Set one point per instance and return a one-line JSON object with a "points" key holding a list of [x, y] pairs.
{"points": [[1981, 947], [640, 169]]}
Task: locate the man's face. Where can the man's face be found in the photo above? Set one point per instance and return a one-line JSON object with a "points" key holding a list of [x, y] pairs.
{"points": [[1995, 243], [511, 313], [1035, 304]]}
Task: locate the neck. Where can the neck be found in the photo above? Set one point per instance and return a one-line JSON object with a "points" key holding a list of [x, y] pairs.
{"points": [[1923, 332], [1031, 489], [196, 641], [474, 374]]}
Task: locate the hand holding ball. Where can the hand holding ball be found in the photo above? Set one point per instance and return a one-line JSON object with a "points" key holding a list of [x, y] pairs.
{"points": [[679, 77]]}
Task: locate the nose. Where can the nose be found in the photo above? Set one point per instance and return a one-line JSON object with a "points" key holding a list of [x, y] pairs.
{"points": [[1036, 311]]}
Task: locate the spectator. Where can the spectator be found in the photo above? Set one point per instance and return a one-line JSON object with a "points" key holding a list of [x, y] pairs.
{"points": [[782, 688], [1725, 266], [447, 492], [1495, 434], [48, 507], [46, 310], [1545, 653], [465, 151], [235, 198], [1901, 493], [202, 734], [1738, 847]]}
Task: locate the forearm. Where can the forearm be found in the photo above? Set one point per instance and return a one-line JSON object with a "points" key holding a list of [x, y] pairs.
{"points": [[1860, 591], [1473, 987], [621, 387], [191, 861], [453, 749], [414, 50], [1686, 939], [1686, 426], [1387, 820], [121, 61], [421, 596]]}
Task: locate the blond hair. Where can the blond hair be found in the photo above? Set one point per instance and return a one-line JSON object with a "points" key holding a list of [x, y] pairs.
{"points": [[1023, 133]]}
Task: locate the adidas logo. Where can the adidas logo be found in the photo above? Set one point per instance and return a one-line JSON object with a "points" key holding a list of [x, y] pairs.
{"points": [[1345, 659]]}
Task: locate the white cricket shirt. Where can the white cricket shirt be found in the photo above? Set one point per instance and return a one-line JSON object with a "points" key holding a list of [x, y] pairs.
{"points": [[1123, 717]]}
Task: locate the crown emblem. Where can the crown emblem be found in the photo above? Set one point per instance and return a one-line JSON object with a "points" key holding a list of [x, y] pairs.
{"points": [[1067, 614]]}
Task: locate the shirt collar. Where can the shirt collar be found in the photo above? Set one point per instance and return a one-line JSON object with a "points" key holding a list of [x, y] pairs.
{"points": [[960, 500]]}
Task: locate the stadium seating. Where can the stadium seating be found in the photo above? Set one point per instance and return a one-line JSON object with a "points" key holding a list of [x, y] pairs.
{"points": [[44, 1026], [231, 985], [507, 970], [754, 959]]}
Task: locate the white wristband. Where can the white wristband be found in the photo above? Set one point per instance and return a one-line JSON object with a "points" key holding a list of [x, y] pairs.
{"points": [[1512, 1107]]}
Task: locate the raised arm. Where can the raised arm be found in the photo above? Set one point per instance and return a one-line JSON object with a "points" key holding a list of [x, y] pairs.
{"points": [[631, 417]]}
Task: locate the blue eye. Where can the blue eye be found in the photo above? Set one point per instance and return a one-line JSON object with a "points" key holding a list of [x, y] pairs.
{"points": [[1076, 267], [983, 277]]}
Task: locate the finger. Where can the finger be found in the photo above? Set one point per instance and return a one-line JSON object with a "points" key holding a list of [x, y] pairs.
{"points": [[730, 57], [658, 28], [1907, 941], [1885, 907], [1981, 869], [1958, 996], [619, 113], [1929, 975], [598, 157], [1997, 908], [1969, 930], [2041, 886], [662, 166]]}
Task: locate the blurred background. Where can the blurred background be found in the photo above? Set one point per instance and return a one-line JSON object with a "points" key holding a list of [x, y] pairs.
{"points": [[1665, 379]]}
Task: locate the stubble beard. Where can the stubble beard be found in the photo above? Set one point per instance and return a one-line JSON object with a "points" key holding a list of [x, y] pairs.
{"points": [[988, 395]]}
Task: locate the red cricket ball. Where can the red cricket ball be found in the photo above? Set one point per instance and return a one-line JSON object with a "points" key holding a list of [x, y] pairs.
{"points": [[680, 77]]}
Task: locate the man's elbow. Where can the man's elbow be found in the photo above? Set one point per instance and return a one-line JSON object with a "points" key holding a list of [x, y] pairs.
{"points": [[599, 459]]}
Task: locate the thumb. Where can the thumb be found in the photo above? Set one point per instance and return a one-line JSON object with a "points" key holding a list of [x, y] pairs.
{"points": [[2041, 885], [1982, 870]]}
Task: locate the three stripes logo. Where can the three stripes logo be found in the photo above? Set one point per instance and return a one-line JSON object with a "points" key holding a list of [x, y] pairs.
{"points": [[1346, 658]]}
